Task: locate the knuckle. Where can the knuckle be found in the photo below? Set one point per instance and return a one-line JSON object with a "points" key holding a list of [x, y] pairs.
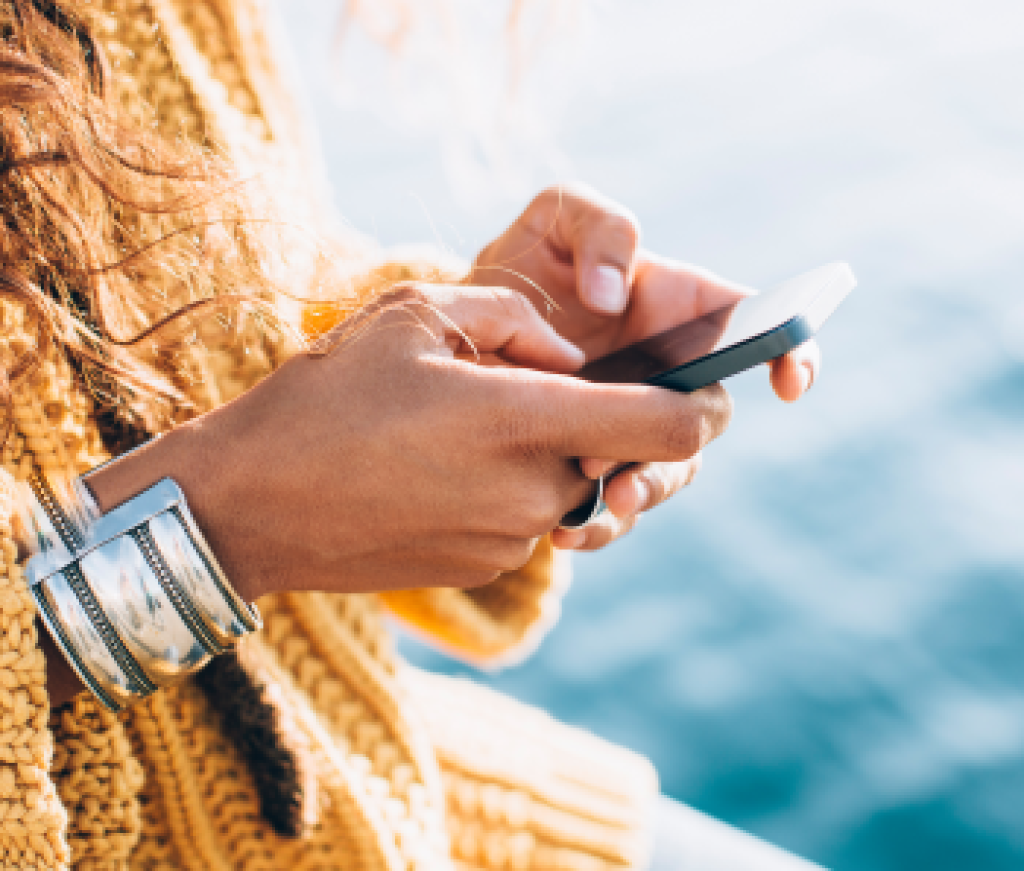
{"points": [[407, 291], [582, 194], [576, 193], [682, 437], [583, 198], [515, 434], [624, 226], [551, 193], [385, 309], [515, 553], [543, 207], [538, 512], [486, 255], [515, 305], [720, 408], [707, 420], [514, 428]]}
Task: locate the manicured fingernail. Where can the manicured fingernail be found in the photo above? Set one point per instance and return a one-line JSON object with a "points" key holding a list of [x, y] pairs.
{"points": [[806, 377], [606, 289], [643, 494]]}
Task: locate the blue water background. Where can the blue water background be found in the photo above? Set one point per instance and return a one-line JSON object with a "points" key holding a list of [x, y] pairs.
{"points": [[822, 640]]}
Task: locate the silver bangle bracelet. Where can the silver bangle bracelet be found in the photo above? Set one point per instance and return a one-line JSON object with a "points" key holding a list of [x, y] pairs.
{"points": [[134, 597]]}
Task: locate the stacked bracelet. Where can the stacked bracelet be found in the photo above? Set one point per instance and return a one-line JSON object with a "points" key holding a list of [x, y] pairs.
{"points": [[134, 598]]}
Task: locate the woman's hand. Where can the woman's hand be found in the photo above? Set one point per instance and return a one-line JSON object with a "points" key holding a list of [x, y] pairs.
{"points": [[393, 461], [583, 251]]}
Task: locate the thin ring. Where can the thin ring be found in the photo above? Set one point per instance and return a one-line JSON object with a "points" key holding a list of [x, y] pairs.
{"points": [[588, 511]]}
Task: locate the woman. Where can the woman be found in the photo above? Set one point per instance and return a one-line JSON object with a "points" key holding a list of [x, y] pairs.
{"points": [[160, 201]]}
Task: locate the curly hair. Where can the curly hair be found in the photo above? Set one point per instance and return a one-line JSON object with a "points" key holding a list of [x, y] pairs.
{"points": [[98, 214], [112, 238]]}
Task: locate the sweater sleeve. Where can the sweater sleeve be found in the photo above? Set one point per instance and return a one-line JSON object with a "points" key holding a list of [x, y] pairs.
{"points": [[522, 786], [493, 625]]}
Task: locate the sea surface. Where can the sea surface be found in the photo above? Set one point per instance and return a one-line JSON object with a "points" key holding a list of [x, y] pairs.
{"points": [[822, 639]]}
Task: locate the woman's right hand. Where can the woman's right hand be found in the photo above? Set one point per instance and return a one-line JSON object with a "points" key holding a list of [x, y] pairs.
{"points": [[395, 460]]}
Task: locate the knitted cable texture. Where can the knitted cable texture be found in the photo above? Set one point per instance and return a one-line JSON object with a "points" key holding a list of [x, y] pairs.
{"points": [[32, 819], [98, 780], [402, 770], [512, 771], [252, 724]]}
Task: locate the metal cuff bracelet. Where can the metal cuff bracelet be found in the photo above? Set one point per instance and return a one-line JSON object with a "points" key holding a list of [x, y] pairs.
{"points": [[134, 598]]}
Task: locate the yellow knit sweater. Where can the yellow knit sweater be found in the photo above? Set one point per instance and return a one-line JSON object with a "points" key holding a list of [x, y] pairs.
{"points": [[407, 770]]}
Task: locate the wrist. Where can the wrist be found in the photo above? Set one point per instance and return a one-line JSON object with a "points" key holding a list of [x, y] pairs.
{"points": [[188, 456]]}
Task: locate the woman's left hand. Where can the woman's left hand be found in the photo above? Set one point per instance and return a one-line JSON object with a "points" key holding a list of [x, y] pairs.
{"points": [[578, 254]]}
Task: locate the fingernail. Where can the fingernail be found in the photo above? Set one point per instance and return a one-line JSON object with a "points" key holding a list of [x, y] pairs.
{"points": [[643, 494], [606, 289], [806, 377], [574, 354]]}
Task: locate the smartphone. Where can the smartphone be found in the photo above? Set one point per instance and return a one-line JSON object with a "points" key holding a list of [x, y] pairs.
{"points": [[732, 339]]}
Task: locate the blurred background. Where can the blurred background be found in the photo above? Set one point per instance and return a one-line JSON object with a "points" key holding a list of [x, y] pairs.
{"points": [[822, 640]]}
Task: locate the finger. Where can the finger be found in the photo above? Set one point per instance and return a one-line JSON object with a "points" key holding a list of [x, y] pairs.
{"points": [[594, 468], [793, 374], [627, 495], [647, 486], [501, 322], [601, 237], [603, 531], [568, 539], [631, 423], [670, 292]]}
